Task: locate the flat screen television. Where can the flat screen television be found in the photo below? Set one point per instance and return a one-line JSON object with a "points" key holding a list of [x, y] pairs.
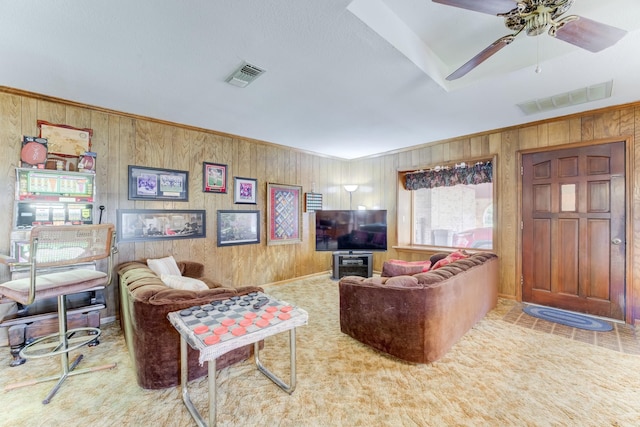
{"points": [[351, 230]]}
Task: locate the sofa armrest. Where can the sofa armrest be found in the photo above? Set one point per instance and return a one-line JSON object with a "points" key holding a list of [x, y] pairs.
{"points": [[191, 269]]}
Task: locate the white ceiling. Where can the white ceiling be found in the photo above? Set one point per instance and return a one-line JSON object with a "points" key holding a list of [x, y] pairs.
{"points": [[346, 79]]}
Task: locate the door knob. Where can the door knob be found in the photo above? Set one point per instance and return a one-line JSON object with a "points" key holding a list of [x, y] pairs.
{"points": [[616, 241]]}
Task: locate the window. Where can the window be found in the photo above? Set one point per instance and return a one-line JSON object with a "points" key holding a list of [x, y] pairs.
{"points": [[448, 211]]}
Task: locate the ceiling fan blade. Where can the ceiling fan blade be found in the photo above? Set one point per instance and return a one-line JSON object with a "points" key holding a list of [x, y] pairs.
{"points": [[481, 57], [590, 35], [492, 7]]}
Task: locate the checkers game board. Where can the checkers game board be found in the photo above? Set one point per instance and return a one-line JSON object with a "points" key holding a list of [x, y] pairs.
{"points": [[235, 319]]}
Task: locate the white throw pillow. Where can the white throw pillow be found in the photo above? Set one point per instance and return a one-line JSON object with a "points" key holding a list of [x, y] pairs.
{"points": [[167, 265], [183, 283]]}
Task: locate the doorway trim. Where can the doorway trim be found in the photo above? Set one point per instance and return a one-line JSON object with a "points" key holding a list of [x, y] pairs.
{"points": [[629, 174]]}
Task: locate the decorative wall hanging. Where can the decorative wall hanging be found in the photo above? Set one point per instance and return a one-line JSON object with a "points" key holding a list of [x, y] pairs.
{"points": [[65, 144], [284, 214], [313, 202]]}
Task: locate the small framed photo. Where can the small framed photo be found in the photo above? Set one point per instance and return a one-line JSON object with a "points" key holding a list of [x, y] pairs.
{"points": [[214, 178], [244, 190], [158, 184], [238, 227]]}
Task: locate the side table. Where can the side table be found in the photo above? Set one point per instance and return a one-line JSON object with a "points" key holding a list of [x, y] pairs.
{"points": [[221, 326]]}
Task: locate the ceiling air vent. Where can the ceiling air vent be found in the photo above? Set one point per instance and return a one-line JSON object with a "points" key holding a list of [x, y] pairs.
{"points": [[244, 75], [562, 100]]}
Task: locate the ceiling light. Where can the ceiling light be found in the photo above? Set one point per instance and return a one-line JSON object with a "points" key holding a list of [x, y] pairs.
{"points": [[562, 100], [244, 75]]}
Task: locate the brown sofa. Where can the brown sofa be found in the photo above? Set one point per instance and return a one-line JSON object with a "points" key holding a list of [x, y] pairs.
{"points": [[419, 318], [154, 345]]}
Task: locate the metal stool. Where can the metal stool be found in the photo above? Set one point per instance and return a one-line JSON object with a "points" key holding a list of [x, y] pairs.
{"points": [[57, 246]]}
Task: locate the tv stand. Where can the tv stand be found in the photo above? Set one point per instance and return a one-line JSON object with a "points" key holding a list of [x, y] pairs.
{"points": [[352, 263]]}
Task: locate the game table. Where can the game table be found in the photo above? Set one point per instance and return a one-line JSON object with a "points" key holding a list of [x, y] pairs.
{"points": [[224, 325]]}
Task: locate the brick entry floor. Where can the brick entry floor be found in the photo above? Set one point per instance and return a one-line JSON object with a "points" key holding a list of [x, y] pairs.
{"points": [[622, 338]]}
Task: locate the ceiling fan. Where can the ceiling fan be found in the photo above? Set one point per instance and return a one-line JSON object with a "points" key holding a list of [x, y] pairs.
{"points": [[534, 17]]}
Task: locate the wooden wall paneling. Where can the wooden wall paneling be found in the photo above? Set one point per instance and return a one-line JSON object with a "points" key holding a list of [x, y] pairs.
{"points": [[51, 112], [507, 229], [559, 132], [425, 157], [543, 135], [478, 146], [587, 130], [128, 140], [10, 144], [459, 149], [29, 117], [436, 154], [122, 143], [627, 117], [529, 137], [606, 124], [79, 118]]}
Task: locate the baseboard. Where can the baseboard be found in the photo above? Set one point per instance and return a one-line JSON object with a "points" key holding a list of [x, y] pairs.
{"points": [[105, 320], [308, 276]]}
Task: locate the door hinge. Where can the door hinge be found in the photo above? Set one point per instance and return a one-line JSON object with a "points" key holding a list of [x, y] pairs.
{"points": [[521, 170], [521, 225], [521, 280]]}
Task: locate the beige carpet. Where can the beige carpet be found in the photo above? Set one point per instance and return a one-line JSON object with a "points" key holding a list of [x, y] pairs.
{"points": [[499, 374]]}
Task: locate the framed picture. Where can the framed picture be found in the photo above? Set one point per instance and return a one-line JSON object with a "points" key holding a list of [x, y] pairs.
{"points": [[158, 184], [139, 225], [244, 190], [284, 214], [65, 144], [238, 227], [214, 178]]}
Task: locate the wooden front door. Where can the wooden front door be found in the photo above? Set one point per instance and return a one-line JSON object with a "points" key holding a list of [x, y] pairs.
{"points": [[573, 229]]}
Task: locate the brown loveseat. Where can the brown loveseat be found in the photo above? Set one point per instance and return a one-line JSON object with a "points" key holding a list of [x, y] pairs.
{"points": [[418, 318], [154, 345]]}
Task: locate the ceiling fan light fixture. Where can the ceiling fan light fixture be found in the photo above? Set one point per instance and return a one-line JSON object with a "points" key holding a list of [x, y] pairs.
{"points": [[562, 100]]}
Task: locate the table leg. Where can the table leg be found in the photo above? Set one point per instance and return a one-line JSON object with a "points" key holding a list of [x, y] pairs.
{"points": [[292, 363], [184, 381]]}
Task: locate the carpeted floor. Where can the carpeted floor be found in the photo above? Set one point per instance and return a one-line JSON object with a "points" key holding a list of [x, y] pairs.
{"points": [[499, 374]]}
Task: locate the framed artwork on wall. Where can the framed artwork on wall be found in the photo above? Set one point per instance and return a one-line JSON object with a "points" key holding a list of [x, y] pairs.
{"points": [[158, 184], [284, 214], [244, 190], [140, 225], [238, 227], [65, 144], [214, 177]]}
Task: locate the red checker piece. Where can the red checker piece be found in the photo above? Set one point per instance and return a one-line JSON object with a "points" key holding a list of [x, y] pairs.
{"points": [[261, 323], [271, 309], [220, 330], [267, 316], [201, 329], [211, 339], [284, 316], [239, 331], [250, 315], [245, 322], [227, 322], [286, 309]]}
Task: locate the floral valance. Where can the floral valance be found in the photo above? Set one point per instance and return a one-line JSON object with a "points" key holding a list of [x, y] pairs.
{"points": [[448, 177]]}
